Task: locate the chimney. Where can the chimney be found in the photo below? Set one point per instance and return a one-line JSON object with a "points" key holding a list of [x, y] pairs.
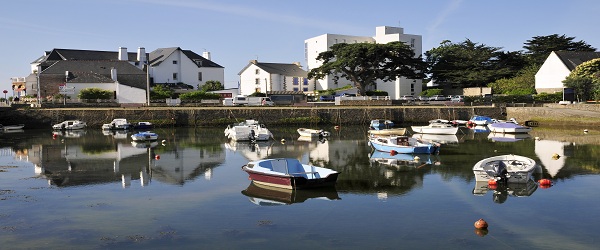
{"points": [[141, 55], [206, 55], [254, 61], [123, 54], [298, 64], [113, 74]]}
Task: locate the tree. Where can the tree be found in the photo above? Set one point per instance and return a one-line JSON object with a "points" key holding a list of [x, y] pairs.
{"points": [[585, 80], [539, 47], [468, 64], [211, 86], [365, 63], [160, 92], [522, 84]]}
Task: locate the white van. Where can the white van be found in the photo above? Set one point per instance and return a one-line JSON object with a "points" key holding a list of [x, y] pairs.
{"points": [[252, 101]]}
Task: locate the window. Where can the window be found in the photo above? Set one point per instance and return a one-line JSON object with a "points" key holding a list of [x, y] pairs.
{"points": [[257, 90], [174, 61], [257, 81], [305, 89], [295, 88], [199, 76], [305, 81], [412, 43], [295, 80], [257, 72], [174, 76]]}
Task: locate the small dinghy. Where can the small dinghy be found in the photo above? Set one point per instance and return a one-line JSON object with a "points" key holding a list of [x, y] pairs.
{"points": [[289, 173], [145, 136], [506, 168]]}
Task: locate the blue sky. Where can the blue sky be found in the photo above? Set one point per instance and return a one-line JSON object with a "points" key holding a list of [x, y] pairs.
{"points": [[235, 32]]}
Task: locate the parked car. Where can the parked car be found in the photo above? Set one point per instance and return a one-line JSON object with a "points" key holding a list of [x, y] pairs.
{"points": [[458, 98], [437, 98], [327, 98], [407, 98], [423, 98], [449, 97]]}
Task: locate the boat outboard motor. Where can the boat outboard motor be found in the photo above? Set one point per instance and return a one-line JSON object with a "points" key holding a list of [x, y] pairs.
{"points": [[252, 135]]}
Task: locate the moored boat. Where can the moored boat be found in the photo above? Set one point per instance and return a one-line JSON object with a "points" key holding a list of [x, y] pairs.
{"points": [[403, 145], [12, 127], [378, 124], [117, 124], [388, 131], [145, 136], [506, 168], [508, 127], [312, 132], [69, 125], [249, 130], [478, 120], [436, 128], [289, 173], [143, 125]]}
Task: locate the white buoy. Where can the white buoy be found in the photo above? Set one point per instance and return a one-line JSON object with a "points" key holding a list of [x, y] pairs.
{"points": [[585, 131], [417, 159]]}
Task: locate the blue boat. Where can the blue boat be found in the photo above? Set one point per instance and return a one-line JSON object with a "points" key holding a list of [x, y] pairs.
{"points": [[379, 124], [145, 136], [403, 145], [480, 120]]}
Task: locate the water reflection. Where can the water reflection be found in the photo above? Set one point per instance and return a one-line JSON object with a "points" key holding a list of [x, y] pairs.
{"points": [[270, 196], [501, 192]]}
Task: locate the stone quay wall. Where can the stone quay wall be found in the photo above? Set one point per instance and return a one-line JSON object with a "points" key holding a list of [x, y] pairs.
{"points": [[211, 116]]}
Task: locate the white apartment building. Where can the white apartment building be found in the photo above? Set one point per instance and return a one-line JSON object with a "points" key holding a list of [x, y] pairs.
{"points": [[383, 34]]}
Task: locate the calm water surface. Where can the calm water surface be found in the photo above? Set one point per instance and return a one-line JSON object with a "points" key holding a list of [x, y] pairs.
{"points": [[91, 190]]}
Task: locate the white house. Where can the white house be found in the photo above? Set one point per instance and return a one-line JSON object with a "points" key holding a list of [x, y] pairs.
{"points": [[383, 34], [557, 67], [268, 77], [174, 65]]}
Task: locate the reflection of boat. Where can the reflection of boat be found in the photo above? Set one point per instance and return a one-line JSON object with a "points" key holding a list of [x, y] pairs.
{"points": [[117, 134], [268, 196], [388, 131], [480, 120], [312, 132], [402, 144], [503, 190], [70, 133], [379, 124], [508, 127], [311, 139], [401, 161], [253, 151], [479, 129], [509, 168], [12, 127], [249, 130], [143, 125], [436, 128], [69, 125], [289, 173], [144, 144], [117, 124], [442, 139], [503, 137], [145, 136]]}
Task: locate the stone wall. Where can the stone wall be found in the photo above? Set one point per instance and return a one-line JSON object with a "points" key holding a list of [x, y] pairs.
{"points": [[211, 116]]}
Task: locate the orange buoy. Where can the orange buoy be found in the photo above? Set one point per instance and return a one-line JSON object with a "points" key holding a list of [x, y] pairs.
{"points": [[481, 232], [492, 182], [157, 157], [393, 152], [481, 224], [545, 183]]}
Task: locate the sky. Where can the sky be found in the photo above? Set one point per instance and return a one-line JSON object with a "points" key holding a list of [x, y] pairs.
{"points": [[235, 32]]}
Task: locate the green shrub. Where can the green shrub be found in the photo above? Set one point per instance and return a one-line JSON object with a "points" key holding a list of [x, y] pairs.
{"points": [[199, 95], [376, 93], [95, 93]]}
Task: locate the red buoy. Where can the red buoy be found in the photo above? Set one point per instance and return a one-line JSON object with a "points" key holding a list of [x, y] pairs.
{"points": [[481, 224], [393, 152], [492, 182], [545, 182], [157, 157]]}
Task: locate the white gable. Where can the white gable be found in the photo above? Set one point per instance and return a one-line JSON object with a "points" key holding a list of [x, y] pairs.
{"points": [[552, 73]]}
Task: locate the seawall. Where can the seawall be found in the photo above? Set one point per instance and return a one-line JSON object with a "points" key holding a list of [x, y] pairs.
{"points": [[211, 116]]}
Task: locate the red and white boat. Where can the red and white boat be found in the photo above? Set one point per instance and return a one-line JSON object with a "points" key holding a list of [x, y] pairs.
{"points": [[289, 173]]}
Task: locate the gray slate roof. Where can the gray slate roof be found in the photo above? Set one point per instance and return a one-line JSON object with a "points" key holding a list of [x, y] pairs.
{"points": [[286, 69], [572, 59], [74, 54], [158, 56], [99, 72]]}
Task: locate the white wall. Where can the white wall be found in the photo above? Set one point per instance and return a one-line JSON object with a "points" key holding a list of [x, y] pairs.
{"points": [[248, 80], [552, 73], [127, 94], [383, 34], [187, 71]]}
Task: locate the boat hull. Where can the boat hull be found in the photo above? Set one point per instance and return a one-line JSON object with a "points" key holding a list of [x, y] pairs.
{"points": [[144, 137], [424, 149], [290, 182], [450, 130], [510, 128]]}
